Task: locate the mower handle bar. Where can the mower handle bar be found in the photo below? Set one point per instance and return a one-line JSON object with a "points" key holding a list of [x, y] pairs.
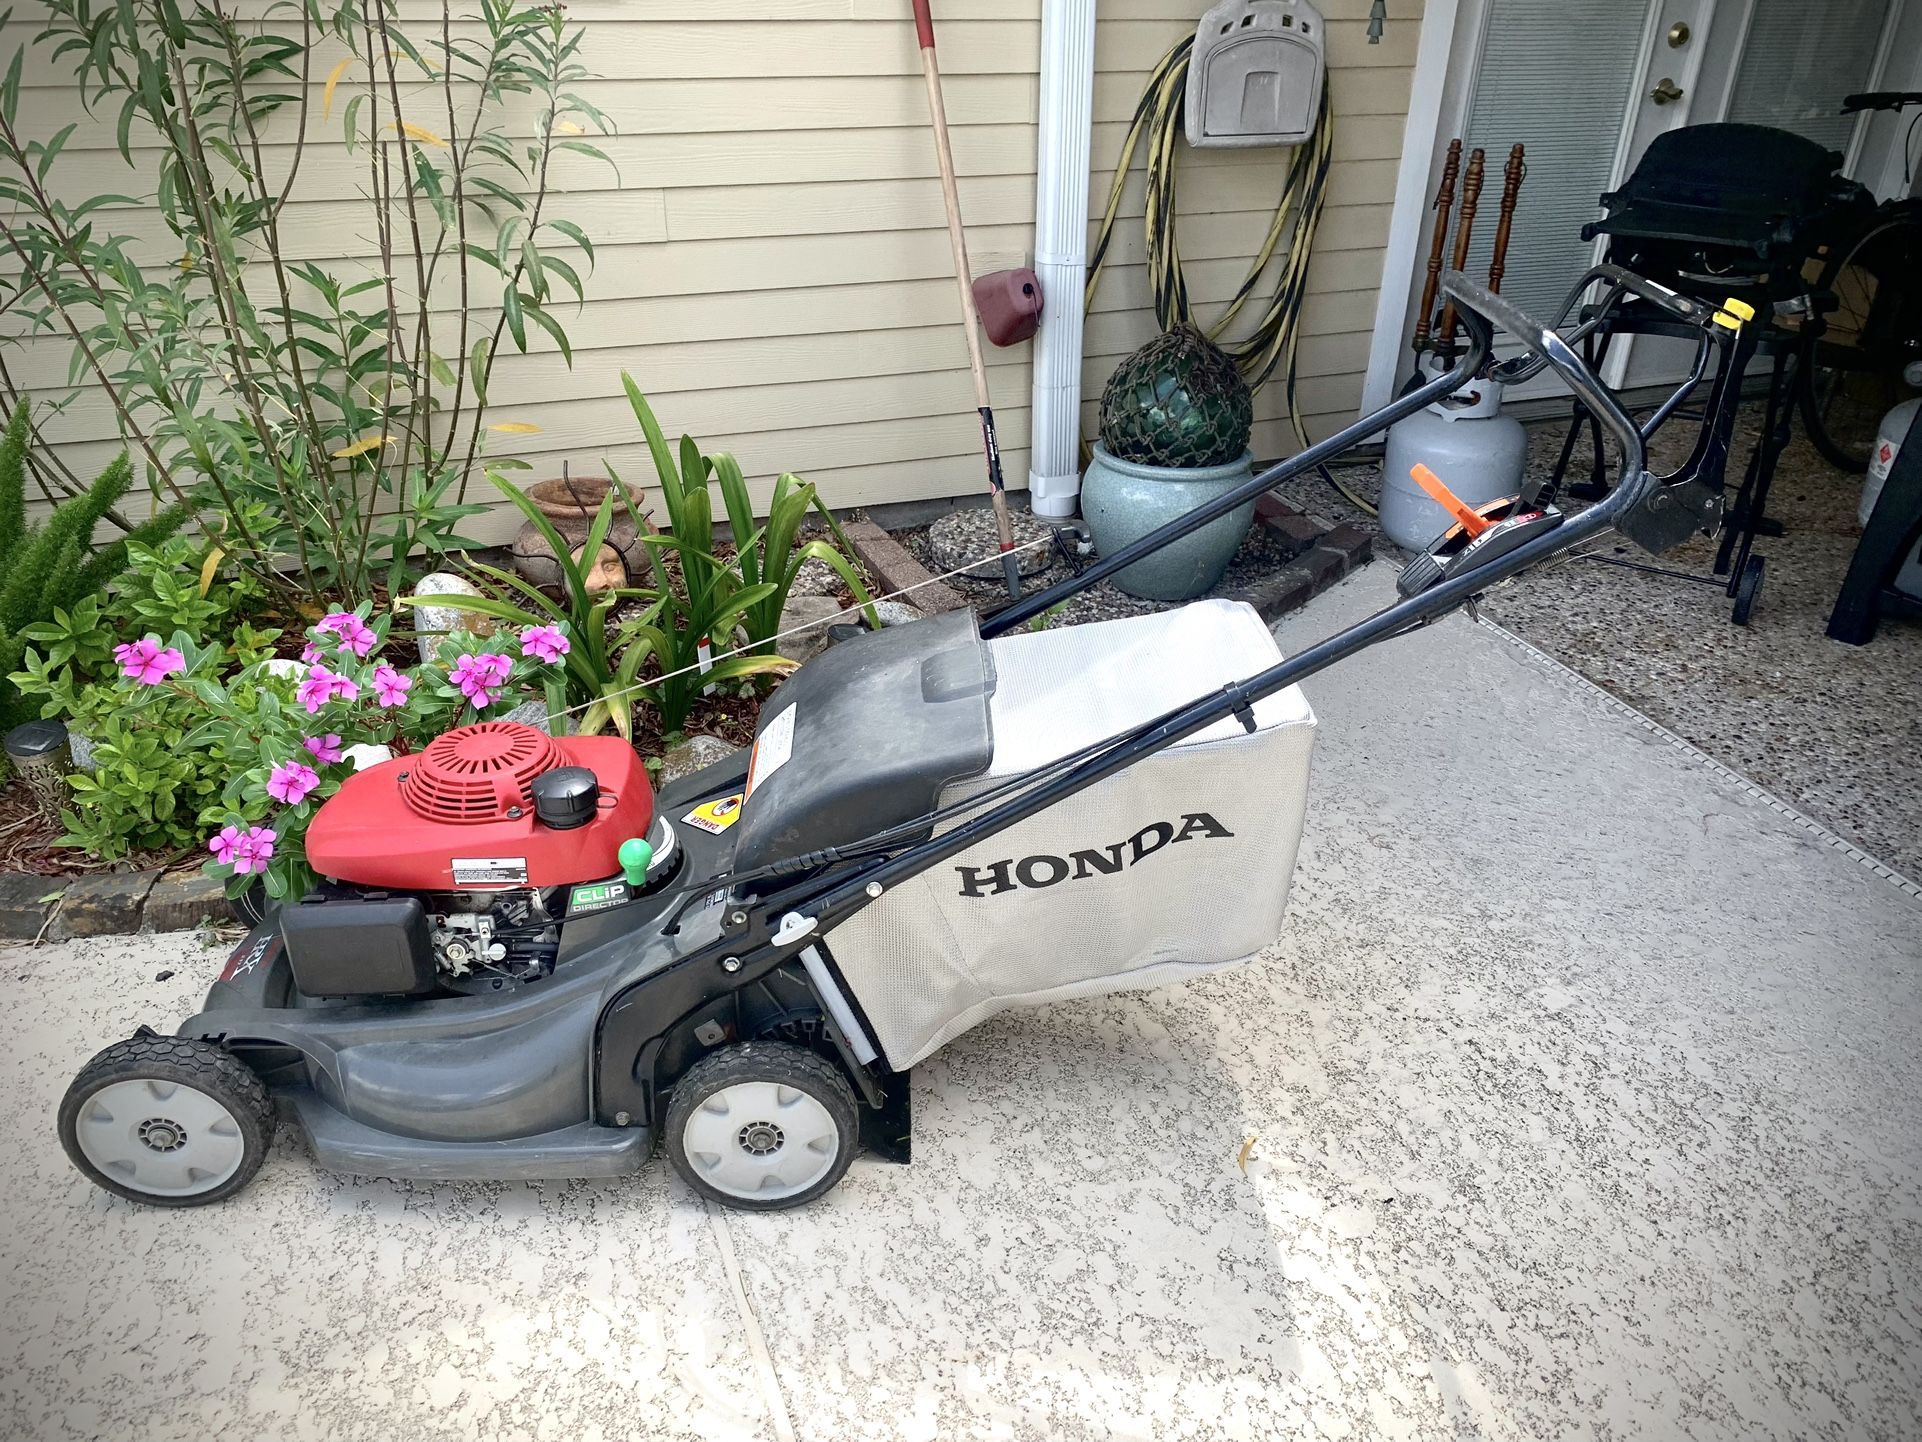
{"points": [[1548, 350], [828, 899]]}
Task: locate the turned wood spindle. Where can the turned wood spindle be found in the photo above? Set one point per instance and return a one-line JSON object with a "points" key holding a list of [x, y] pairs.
{"points": [[1512, 175], [1464, 230], [1444, 207]]}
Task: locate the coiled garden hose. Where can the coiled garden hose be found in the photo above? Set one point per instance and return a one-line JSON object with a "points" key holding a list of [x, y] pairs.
{"points": [[1275, 341]]}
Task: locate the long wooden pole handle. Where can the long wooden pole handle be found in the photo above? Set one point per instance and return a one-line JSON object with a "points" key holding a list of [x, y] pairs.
{"points": [[1444, 206], [963, 279], [1511, 195], [1464, 231]]}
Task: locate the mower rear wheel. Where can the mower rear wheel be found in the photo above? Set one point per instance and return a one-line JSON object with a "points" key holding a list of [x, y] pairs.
{"points": [[168, 1121], [762, 1126]]}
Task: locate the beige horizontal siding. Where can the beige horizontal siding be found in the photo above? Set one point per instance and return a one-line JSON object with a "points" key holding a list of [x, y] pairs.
{"points": [[772, 266]]}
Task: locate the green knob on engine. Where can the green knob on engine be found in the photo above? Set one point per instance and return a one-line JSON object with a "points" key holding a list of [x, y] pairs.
{"points": [[635, 856]]}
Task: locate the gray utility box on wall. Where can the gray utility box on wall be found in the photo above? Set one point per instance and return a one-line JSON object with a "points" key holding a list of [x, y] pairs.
{"points": [[1255, 76]]}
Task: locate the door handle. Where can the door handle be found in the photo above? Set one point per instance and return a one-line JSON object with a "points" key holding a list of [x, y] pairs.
{"points": [[1666, 92]]}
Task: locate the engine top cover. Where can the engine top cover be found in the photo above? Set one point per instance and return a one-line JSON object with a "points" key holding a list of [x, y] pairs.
{"points": [[460, 815]]}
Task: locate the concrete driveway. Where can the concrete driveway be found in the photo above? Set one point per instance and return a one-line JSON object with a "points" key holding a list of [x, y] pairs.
{"points": [[1585, 1098]]}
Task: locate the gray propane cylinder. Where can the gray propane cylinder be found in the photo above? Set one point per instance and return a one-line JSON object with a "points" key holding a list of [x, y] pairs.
{"points": [[1465, 439]]}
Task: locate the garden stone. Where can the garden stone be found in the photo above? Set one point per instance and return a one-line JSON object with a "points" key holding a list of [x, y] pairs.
{"points": [[22, 910], [434, 622], [107, 904], [364, 754], [80, 748], [534, 713], [814, 612], [815, 578], [693, 754], [180, 903], [969, 538], [896, 613]]}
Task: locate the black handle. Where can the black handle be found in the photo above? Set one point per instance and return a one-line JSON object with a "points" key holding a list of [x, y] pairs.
{"points": [[1563, 360]]}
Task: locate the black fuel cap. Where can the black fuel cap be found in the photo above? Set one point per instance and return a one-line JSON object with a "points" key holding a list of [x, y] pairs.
{"points": [[566, 797]]}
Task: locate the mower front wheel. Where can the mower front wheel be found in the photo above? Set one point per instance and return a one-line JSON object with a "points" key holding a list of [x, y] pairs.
{"points": [[762, 1126], [168, 1121]]}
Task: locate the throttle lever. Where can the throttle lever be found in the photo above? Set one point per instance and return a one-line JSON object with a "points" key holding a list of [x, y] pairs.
{"points": [[1480, 534]]}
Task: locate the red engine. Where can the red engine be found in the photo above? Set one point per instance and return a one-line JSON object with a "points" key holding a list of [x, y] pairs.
{"points": [[460, 815]]}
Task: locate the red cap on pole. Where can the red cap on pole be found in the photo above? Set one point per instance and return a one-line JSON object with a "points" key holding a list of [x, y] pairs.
{"points": [[924, 24]]}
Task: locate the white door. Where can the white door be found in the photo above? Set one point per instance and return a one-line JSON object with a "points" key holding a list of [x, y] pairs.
{"points": [[1585, 85]]}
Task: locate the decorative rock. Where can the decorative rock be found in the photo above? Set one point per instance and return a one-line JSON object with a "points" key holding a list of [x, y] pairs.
{"points": [[696, 753], [80, 748], [179, 903], [815, 578], [970, 536], [434, 622], [534, 713], [895, 613], [814, 612], [364, 754], [107, 904], [22, 910]]}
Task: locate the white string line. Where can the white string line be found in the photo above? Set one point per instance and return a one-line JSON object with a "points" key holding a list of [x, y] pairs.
{"points": [[856, 609]]}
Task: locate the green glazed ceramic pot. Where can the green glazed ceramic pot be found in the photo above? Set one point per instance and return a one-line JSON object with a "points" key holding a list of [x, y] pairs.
{"points": [[1123, 501]]}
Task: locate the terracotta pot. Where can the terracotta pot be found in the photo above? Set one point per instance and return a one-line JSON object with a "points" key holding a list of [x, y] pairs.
{"points": [[570, 506]]}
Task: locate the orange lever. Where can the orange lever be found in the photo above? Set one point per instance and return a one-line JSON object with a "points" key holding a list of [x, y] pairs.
{"points": [[1449, 501]]}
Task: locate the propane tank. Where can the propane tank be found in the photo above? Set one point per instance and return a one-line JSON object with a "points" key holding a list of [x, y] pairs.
{"points": [[1888, 444], [1464, 438]]}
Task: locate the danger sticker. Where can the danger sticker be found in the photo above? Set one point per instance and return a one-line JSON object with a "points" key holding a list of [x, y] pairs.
{"points": [[772, 749], [490, 871], [715, 816]]}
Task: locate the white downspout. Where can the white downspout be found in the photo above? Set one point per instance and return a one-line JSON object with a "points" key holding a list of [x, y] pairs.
{"points": [[1061, 252]]}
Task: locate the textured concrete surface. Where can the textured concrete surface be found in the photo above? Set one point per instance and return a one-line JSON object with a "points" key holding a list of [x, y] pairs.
{"points": [[1835, 729], [1584, 1100]]}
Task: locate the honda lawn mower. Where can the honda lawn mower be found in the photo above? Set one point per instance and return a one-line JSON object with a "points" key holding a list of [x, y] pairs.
{"points": [[523, 964]]}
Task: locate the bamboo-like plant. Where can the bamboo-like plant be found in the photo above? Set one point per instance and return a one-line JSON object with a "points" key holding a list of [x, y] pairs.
{"points": [[326, 418]]}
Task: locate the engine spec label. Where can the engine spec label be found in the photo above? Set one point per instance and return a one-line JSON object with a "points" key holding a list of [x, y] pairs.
{"points": [[715, 816], [490, 871], [598, 897], [771, 749]]}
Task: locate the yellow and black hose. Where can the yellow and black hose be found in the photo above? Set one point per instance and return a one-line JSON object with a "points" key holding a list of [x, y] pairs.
{"points": [[1275, 340]]}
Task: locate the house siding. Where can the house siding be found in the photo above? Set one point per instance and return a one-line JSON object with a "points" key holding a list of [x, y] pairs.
{"points": [[773, 267]]}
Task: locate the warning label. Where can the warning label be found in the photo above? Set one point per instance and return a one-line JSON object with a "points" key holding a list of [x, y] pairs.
{"points": [[715, 816], [772, 749], [490, 871]]}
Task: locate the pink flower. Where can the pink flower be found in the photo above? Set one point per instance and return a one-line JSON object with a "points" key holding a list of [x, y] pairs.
{"points": [[224, 843], [321, 686], [480, 678], [291, 781], [390, 687], [326, 749], [544, 643], [253, 851], [356, 637], [246, 851], [145, 662], [311, 653]]}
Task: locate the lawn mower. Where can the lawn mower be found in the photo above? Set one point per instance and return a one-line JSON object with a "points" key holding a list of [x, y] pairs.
{"points": [[525, 965]]}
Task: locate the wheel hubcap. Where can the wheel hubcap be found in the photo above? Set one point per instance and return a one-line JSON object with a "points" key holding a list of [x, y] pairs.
{"points": [[760, 1140], [160, 1137]]}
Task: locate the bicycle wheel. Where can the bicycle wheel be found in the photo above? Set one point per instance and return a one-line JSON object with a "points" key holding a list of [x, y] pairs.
{"points": [[1855, 371]]}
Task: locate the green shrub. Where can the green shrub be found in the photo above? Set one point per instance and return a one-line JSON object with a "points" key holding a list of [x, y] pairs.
{"points": [[723, 605], [47, 571]]}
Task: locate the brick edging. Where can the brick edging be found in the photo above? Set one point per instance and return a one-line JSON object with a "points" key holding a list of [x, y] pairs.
{"points": [[106, 903], [896, 570], [1322, 555]]}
